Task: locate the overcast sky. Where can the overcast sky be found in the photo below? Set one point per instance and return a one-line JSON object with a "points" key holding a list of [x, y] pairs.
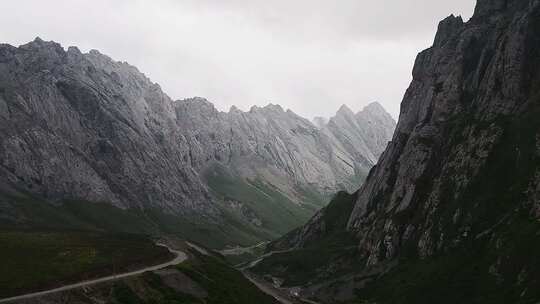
{"points": [[310, 56]]}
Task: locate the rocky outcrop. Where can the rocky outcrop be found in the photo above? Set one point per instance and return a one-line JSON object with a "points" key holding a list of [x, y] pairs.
{"points": [[364, 134], [327, 223], [460, 177], [467, 123], [84, 127], [281, 147]]}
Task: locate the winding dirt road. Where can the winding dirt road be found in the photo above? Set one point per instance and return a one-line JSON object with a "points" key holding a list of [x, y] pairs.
{"points": [[180, 257], [267, 289]]}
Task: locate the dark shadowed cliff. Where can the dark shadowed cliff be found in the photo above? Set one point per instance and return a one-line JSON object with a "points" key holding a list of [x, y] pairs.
{"points": [[450, 214]]}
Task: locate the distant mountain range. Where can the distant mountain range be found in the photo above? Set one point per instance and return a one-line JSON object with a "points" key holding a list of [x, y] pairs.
{"points": [[81, 133], [451, 213]]}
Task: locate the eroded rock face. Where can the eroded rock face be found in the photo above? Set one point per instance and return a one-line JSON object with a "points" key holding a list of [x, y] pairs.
{"points": [[281, 147], [469, 109], [82, 126], [363, 135], [462, 170]]}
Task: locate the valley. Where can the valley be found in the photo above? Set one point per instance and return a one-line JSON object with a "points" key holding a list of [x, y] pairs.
{"points": [[93, 152], [194, 275], [449, 214], [113, 192], [87, 129]]}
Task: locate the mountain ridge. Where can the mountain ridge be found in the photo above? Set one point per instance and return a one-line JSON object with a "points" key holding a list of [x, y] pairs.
{"points": [[85, 127], [450, 212]]}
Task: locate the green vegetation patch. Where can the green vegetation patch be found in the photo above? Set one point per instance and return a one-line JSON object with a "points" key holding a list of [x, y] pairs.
{"points": [[334, 246], [224, 284], [304, 266], [32, 213], [39, 260], [497, 256], [247, 256], [504, 270], [148, 289], [277, 212]]}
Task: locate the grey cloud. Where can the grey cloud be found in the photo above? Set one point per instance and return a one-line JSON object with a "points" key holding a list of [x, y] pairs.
{"points": [[309, 56], [386, 19]]}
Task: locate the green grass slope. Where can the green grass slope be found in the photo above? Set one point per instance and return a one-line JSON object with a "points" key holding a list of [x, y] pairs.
{"points": [[33, 260], [330, 244], [276, 211], [224, 284], [221, 283], [502, 272], [202, 279], [27, 212], [278, 214]]}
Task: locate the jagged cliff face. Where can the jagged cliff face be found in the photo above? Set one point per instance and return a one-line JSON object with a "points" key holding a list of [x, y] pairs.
{"points": [[363, 135], [454, 197], [84, 127], [273, 168], [283, 148], [466, 144]]}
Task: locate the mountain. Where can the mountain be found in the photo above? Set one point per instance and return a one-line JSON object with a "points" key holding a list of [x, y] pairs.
{"points": [[320, 122], [270, 167], [279, 147], [450, 214], [363, 135], [81, 134]]}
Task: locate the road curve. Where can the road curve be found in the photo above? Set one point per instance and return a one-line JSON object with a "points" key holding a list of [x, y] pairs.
{"points": [[180, 257], [262, 257], [267, 290]]}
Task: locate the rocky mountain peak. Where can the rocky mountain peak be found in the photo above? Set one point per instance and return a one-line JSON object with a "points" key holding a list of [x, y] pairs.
{"points": [[269, 109], [40, 43], [74, 50], [48, 51], [375, 105], [428, 136], [344, 110], [374, 109], [198, 100], [254, 109], [365, 133], [274, 107], [193, 107], [234, 109], [447, 28]]}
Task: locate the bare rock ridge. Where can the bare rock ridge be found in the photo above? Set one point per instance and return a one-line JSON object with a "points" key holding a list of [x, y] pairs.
{"points": [[471, 93], [280, 144], [85, 127], [454, 197]]}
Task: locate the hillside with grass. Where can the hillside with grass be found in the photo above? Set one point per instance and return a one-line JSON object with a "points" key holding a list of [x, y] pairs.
{"points": [[40, 260], [205, 278], [26, 211]]}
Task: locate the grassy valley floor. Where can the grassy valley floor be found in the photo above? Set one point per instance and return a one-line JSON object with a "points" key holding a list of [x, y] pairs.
{"points": [[27, 212], [37, 260], [205, 278]]}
